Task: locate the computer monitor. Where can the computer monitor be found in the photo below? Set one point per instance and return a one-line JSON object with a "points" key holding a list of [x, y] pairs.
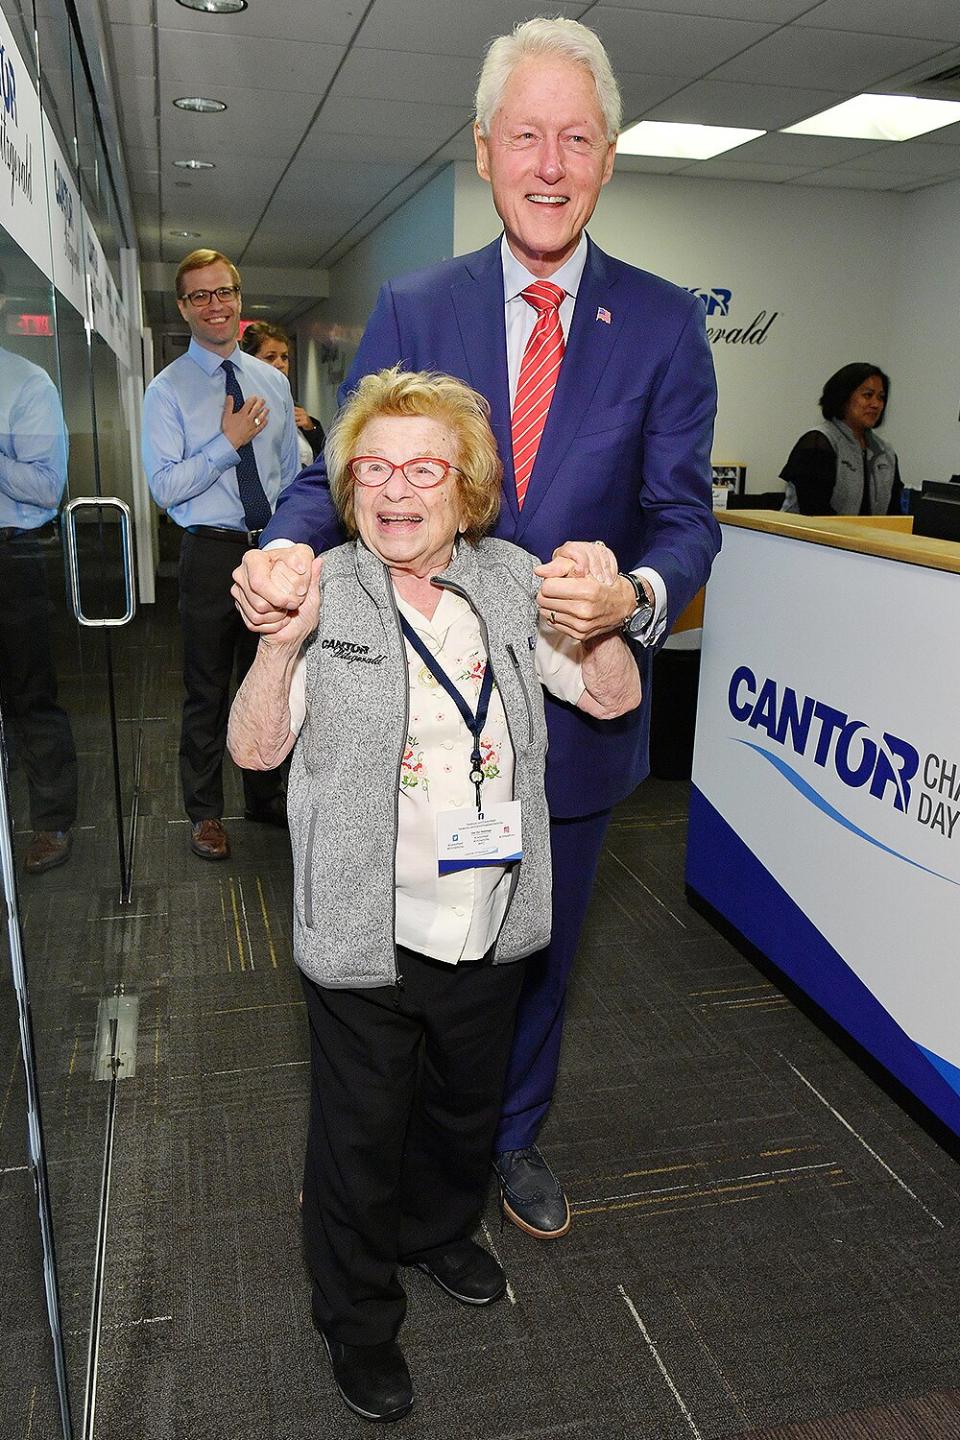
{"points": [[936, 511]]}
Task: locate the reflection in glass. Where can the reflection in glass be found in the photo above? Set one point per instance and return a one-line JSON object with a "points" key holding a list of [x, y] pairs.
{"points": [[33, 473]]}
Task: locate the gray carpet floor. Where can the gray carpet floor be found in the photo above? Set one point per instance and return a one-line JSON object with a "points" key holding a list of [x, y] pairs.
{"points": [[761, 1237], [764, 1244]]}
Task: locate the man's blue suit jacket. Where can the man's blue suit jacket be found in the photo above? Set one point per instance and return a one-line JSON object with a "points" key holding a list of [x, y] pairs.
{"points": [[624, 458]]}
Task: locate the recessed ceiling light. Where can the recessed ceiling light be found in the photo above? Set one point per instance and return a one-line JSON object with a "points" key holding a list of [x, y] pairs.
{"points": [[215, 7], [194, 164], [880, 117], [683, 142], [199, 105], [185, 234]]}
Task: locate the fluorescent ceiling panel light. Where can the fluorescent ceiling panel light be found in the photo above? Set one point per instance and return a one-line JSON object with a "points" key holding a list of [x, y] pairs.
{"points": [[185, 234], [683, 142], [194, 164], [880, 117]]}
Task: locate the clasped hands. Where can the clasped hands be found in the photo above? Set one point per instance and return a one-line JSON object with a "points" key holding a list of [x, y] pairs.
{"points": [[583, 594]]}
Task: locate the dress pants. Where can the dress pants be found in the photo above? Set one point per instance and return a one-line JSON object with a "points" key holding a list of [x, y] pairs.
{"points": [[215, 642], [575, 847], [405, 1093], [38, 728]]}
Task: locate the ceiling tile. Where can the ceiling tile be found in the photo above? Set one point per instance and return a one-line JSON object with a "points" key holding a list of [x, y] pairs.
{"points": [[659, 44], [721, 168], [447, 27], [387, 118], [840, 178], [370, 149], [922, 19], [810, 151], [915, 160], [197, 62], [777, 12], [406, 75], [648, 164], [241, 125], [641, 92], [331, 22], [851, 63], [133, 50], [758, 107]]}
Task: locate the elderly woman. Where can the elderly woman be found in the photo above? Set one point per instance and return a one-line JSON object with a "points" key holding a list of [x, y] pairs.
{"points": [[842, 467], [409, 685]]}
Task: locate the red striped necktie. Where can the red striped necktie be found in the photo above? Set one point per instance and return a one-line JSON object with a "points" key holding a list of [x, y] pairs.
{"points": [[537, 380]]}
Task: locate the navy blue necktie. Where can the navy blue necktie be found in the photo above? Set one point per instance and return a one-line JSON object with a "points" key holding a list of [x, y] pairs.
{"points": [[256, 506]]}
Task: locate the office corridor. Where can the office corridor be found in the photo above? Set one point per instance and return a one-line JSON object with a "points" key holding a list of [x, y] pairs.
{"points": [[762, 1239]]}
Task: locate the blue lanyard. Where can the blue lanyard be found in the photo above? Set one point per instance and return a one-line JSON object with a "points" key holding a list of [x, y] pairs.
{"points": [[473, 722]]}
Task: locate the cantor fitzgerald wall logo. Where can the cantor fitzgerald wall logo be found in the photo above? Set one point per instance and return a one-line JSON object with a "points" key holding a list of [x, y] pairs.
{"points": [[924, 789], [717, 303]]}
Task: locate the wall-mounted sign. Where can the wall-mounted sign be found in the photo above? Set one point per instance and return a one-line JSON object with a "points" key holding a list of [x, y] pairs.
{"points": [[23, 200], [724, 323], [66, 227]]}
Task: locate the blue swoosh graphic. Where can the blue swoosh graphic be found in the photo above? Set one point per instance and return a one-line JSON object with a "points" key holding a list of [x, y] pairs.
{"points": [[807, 791]]}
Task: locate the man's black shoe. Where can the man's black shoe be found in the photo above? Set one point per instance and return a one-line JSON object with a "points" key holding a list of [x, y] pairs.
{"points": [[372, 1379], [467, 1272], [530, 1194], [271, 812]]}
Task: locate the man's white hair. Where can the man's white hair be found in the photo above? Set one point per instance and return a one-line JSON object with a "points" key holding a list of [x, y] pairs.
{"points": [[566, 38]]}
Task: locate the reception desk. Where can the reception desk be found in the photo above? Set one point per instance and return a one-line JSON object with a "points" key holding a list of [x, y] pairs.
{"points": [[825, 804]]}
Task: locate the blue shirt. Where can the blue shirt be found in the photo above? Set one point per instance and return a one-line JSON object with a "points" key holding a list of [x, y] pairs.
{"points": [[33, 444], [190, 463]]}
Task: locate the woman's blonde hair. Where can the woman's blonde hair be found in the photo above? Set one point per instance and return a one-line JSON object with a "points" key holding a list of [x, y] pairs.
{"points": [[435, 397]]}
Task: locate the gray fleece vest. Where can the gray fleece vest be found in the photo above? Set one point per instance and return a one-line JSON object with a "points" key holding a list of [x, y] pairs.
{"points": [[343, 794], [848, 490]]}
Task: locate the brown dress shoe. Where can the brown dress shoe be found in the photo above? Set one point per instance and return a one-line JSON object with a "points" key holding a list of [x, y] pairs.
{"points": [[47, 850], [208, 839]]}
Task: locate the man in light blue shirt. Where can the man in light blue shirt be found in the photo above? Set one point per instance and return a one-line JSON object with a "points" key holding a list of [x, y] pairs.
{"points": [[33, 473], [219, 444]]}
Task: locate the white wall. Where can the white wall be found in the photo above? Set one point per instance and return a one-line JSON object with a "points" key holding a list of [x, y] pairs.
{"points": [[824, 263], [926, 385], [419, 233]]}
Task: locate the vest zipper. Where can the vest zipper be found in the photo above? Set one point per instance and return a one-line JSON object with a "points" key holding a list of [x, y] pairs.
{"points": [[523, 689], [308, 871], [398, 978]]}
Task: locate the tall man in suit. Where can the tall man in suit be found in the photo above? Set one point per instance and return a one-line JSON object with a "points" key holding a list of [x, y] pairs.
{"points": [[622, 460]]}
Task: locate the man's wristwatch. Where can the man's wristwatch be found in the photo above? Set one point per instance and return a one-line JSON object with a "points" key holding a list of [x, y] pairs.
{"points": [[636, 623]]}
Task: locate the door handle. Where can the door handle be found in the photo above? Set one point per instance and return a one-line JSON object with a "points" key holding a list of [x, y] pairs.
{"points": [[73, 569]]}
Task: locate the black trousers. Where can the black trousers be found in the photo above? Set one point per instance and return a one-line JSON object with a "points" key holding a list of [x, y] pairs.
{"points": [[405, 1095], [215, 644], [38, 729]]}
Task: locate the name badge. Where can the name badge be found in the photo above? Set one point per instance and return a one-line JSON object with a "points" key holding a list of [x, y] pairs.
{"points": [[466, 840]]}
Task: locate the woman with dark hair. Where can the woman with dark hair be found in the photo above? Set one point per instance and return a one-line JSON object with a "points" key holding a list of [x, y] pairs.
{"points": [[272, 345], [842, 467]]}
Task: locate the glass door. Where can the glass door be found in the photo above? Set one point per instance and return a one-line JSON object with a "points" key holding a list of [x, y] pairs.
{"points": [[68, 737]]}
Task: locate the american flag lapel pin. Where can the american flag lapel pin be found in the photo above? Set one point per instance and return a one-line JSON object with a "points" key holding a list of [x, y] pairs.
{"points": [[604, 315]]}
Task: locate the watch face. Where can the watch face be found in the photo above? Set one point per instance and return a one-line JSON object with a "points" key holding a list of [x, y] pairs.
{"points": [[640, 619]]}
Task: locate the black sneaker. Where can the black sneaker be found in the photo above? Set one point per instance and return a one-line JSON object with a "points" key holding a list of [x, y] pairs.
{"points": [[530, 1194], [373, 1380], [467, 1272]]}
